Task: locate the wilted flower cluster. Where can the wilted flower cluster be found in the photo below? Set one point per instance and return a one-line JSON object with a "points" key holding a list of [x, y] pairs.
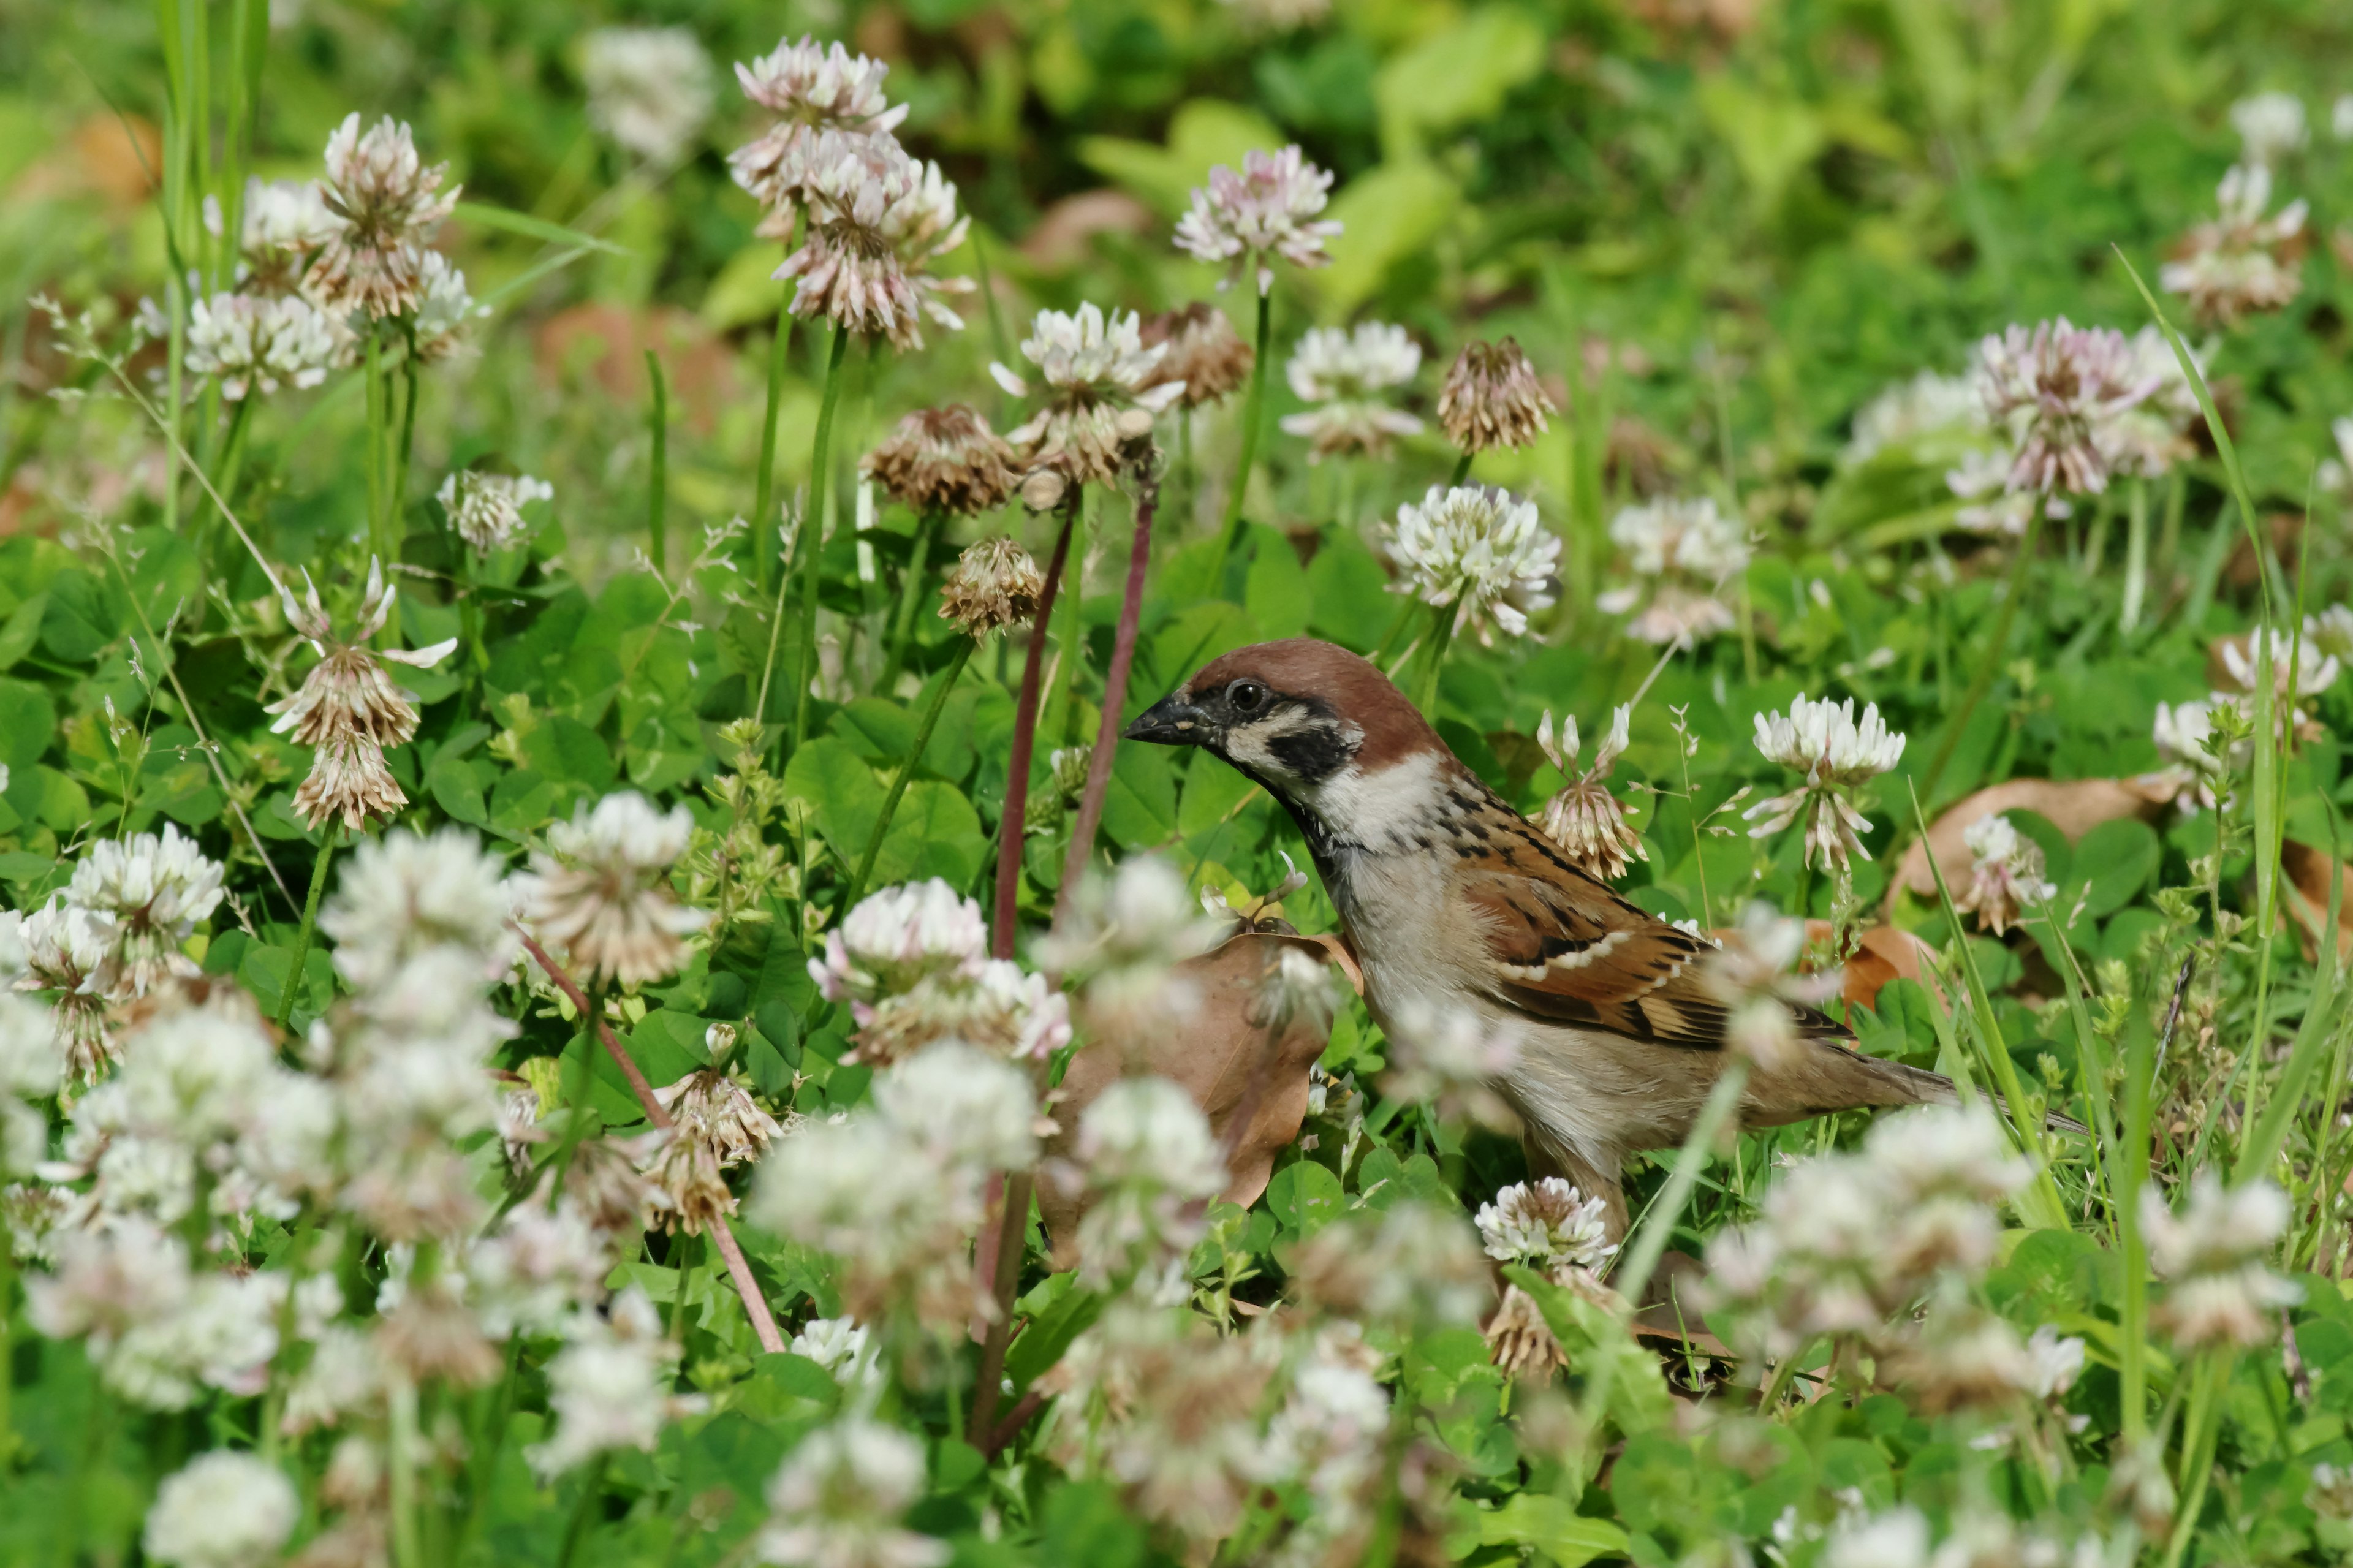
{"points": [[649, 89], [716, 1125], [912, 963], [944, 460], [2005, 874], [1344, 375], [996, 585], [1583, 818], [1479, 550], [386, 205], [1102, 385], [2054, 390], [1682, 552], [1200, 350], [812, 89], [2246, 260], [486, 509], [895, 1190], [347, 708], [2213, 1255], [1491, 397], [602, 893], [1267, 210], [1837, 755]]}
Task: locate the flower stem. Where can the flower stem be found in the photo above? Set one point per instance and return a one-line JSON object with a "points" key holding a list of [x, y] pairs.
{"points": [[1462, 471], [2200, 1430], [1024, 738], [657, 481], [856, 886], [1012, 1239], [755, 1305], [592, 1487], [1991, 665], [903, 624], [406, 1550], [813, 531], [1440, 635], [310, 923], [399, 487], [1123, 658], [1253, 412], [764, 494], [373, 369]]}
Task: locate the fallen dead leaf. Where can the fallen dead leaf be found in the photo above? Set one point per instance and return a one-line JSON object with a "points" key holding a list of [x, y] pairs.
{"points": [[1887, 953], [2074, 806], [2307, 870], [112, 157], [1064, 234], [1225, 1060], [607, 343]]}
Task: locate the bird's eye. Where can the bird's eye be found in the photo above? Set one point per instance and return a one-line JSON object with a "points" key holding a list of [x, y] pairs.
{"points": [[1246, 695]]}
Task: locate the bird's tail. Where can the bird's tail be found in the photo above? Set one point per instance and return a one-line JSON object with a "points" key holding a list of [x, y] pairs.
{"points": [[1838, 1077]]}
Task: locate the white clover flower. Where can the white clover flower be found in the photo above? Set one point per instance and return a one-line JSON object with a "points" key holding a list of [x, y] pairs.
{"points": [[1414, 1263], [2058, 1362], [71, 951], [898, 937], [1344, 374], [811, 87], [1135, 924], [152, 890], [965, 1109], [1479, 549], [1926, 406], [2214, 1254], [877, 219], [285, 221], [847, 1350], [1896, 1539], [254, 344], [32, 1066], [1101, 386], [1682, 552], [609, 1386], [2270, 126], [1267, 209], [486, 509], [1837, 755], [839, 1500], [2246, 258], [2331, 633], [387, 206], [2005, 874], [649, 88], [222, 1510], [1547, 1224], [1150, 1161], [536, 1270], [2184, 734], [604, 895], [402, 894], [1584, 818], [444, 307], [2296, 672], [2054, 390]]}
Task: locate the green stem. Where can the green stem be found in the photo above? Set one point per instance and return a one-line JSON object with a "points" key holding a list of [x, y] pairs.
{"points": [[2200, 1430], [2136, 557], [1462, 471], [691, 1250], [293, 985], [903, 624], [592, 1487], [812, 543], [1254, 415], [658, 482], [394, 525], [1441, 635], [406, 1552], [372, 368], [764, 494], [906, 771], [1990, 664]]}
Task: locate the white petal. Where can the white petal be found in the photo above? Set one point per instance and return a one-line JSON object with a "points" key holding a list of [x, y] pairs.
{"points": [[422, 658]]}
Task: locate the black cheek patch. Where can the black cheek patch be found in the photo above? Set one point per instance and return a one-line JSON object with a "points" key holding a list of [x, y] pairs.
{"points": [[1312, 754]]}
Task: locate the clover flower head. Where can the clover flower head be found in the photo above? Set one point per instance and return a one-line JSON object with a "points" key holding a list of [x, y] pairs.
{"points": [[877, 219], [1345, 374], [285, 221], [1482, 551], [841, 1496], [486, 509], [1547, 1224], [223, 1510], [1584, 818], [2214, 1256], [2244, 261], [387, 204], [1201, 350], [1681, 553], [649, 88], [896, 937], [1267, 210], [2005, 874], [1755, 971], [152, 890], [996, 585], [443, 308], [253, 343], [2271, 125], [608, 1388], [1929, 404], [1837, 753], [2055, 389], [812, 89], [1491, 397], [1101, 386], [944, 460], [604, 896]]}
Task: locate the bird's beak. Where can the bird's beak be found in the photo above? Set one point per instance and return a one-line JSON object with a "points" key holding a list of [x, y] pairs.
{"points": [[1171, 721]]}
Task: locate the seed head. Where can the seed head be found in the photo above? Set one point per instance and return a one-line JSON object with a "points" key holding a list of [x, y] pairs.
{"points": [[994, 584], [1584, 818], [945, 460], [1201, 350]]}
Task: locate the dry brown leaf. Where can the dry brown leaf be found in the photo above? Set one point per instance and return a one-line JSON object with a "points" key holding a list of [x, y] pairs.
{"points": [[2074, 806], [1670, 1311], [1887, 953], [114, 158], [1064, 235], [2307, 897], [607, 343], [1227, 1062]]}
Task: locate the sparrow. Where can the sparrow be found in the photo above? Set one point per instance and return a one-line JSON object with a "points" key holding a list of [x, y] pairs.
{"points": [[1452, 900]]}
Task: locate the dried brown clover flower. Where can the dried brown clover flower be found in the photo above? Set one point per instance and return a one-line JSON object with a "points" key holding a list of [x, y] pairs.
{"points": [[1201, 350], [944, 459], [996, 585], [1491, 397]]}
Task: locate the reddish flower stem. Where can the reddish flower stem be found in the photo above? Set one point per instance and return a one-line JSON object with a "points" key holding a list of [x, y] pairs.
{"points": [[1122, 655], [755, 1305], [1025, 737]]}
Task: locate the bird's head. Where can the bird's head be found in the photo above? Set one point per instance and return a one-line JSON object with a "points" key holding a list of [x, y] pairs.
{"points": [[1300, 717]]}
